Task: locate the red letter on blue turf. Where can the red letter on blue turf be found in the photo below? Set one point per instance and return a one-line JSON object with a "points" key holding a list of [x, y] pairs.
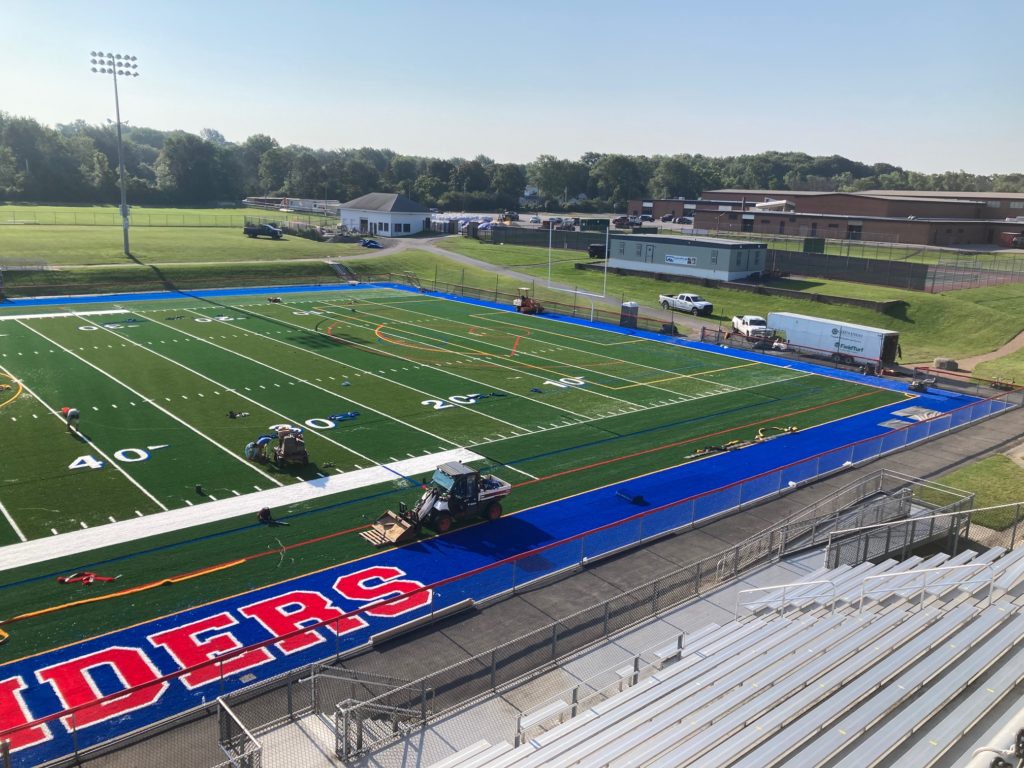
{"points": [[185, 647], [286, 613], [73, 682], [355, 586], [14, 713]]}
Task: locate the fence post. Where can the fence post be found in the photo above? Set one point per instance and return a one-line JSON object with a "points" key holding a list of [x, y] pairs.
{"points": [[423, 701], [575, 701], [5, 753], [607, 610], [1016, 522], [554, 641], [74, 734], [494, 669], [654, 598], [291, 709], [344, 740], [696, 586]]}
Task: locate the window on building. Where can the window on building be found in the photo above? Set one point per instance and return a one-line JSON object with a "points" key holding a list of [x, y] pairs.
{"points": [[714, 256], [1017, 205], [814, 228], [407, 227], [994, 203], [782, 226], [833, 226], [384, 226], [638, 250], [732, 217], [766, 221], [622, 248]]}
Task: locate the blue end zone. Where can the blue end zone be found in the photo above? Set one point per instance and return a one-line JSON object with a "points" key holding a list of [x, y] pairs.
{"points": [[769, 467]]}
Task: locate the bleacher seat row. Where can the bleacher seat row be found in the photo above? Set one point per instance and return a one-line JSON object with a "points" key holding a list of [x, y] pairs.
{"points": [[821, 680]]}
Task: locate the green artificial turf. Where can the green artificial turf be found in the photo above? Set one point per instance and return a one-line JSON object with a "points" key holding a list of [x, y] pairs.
{"points": [[606, 408]]}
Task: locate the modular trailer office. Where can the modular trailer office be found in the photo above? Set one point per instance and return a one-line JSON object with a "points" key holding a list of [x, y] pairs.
{"points": [[697, 257]]}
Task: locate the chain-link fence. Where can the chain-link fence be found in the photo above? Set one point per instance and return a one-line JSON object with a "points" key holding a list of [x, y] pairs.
{"points": [[955, 528], [240, 746], [400, 706], [360, 726], [58, 217]]}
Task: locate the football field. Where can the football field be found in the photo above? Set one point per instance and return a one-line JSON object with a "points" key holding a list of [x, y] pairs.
{"points": [[373, 377], [602, 433]]}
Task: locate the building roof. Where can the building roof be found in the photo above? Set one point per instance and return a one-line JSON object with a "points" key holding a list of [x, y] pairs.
{"points": [[906, 194], [697, 240], [385, 202], [958, 195]]}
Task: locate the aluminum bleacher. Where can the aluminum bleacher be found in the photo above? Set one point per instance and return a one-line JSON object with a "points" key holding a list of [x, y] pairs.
{"points": [[876, 664]]}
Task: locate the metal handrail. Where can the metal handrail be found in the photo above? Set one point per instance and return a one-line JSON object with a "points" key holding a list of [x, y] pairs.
{"points": [[924, 582], [782, 597], [248, 734], [573, 689]]}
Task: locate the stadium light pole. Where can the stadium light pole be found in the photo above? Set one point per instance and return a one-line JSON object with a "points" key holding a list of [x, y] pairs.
{"points": [[123, 65]]}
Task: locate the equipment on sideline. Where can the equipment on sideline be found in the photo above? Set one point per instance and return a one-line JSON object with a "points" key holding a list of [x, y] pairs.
{"points": [[290, 448], [527, 304], [455, 491]]}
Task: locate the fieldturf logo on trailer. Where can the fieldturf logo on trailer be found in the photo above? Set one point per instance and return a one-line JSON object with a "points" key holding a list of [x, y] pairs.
{"points": [[144, 655]]}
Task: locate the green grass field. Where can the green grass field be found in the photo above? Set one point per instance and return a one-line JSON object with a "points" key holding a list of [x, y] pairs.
{"points": [[576, 407], [957, 324], [141, 216], [63, 246]]}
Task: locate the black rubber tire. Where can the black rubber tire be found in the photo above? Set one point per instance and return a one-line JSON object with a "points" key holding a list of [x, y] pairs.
{"points": [[664, 305], [443, 523], [493, 511], [694, 311]]}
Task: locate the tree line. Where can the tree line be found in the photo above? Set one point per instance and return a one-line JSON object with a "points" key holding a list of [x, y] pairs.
{"points": [[77, 163]]}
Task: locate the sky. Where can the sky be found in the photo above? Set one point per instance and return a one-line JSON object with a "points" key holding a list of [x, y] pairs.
{"points": [[929, 86]]}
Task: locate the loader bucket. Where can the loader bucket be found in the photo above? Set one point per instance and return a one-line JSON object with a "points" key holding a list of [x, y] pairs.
{"points": [[389, 528]]}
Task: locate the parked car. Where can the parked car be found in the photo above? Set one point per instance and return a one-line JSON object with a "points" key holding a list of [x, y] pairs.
{"points": [[646, 217], [667, 217], [683, 220], [368, 243], [621, 222], [535, 219]]}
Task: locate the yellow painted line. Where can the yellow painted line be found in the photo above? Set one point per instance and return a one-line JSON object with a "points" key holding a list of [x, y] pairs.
{"points": [[16, 394]]}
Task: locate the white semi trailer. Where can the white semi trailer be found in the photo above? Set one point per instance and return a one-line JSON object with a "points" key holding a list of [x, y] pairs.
{"points": [[845, 342]]}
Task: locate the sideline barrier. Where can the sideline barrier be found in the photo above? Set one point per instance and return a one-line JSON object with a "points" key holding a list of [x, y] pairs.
{"points": [[505, 576]]}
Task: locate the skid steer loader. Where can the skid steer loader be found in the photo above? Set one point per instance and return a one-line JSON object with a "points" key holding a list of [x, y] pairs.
{"points": [[456, 491]]}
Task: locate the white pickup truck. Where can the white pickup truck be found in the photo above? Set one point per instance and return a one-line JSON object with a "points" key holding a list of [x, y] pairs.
{"points": [[687, 302], [752, 325]]}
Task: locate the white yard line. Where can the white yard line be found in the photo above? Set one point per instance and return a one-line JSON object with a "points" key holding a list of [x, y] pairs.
{"points": [[73, 543], [110, 462], [225, 387], [160, 408], [583, 367], [469, 353], [401, 384], [63, 314], [14, 525], [370, 408]]}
